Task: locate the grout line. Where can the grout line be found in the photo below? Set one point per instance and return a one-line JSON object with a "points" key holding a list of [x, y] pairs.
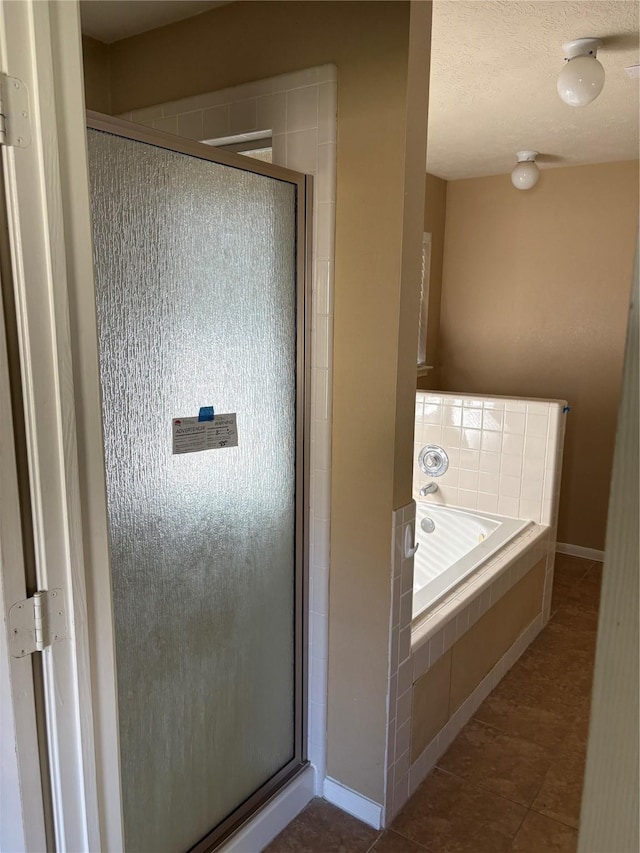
{"points": [[587, 570], [486, 790], [411, 840], [544, 779], [515, 834], [479, 787], [420, 845], [554, 819], [378, 837]]}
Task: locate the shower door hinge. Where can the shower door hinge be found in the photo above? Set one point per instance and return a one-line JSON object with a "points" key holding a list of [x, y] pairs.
{"points": [[15, 129], [37, 622]]}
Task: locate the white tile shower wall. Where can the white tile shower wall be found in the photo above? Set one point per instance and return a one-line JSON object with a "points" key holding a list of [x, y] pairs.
{"points": [[504, 454], [400, 665], [299, 112]]}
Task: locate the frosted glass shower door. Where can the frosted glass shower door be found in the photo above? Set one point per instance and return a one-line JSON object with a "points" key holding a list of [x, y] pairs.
{"points": [[200, 303]]}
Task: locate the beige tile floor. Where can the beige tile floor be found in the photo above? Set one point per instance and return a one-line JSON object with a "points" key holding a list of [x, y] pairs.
{"points": [[512, 779]]}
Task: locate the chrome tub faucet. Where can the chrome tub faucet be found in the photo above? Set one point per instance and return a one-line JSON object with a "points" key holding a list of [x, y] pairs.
{"points": [[429, 489]]}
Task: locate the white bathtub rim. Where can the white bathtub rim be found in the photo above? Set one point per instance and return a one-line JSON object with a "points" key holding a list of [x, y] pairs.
{"points": [[474, 585], [508, 531], [421, 503]]}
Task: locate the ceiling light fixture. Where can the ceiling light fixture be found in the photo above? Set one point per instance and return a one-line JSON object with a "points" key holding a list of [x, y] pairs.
{"points": [[582, 78], [526, 173]]}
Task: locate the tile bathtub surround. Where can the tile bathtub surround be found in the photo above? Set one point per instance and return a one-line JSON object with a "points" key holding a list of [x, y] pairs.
{"points": [[433, 632], [505, 455], [414, 649], [400, 696], [298, 112], [432, 639], [472, 657]]}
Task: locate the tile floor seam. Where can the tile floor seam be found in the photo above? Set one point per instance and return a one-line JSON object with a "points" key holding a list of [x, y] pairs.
{"points": [[502, 796], [502, 731], [515, 835], [380, 834], [541, 787], [412, 840], [479, 787], [557, 819]]}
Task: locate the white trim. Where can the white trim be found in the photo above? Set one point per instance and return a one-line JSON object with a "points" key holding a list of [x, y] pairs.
{"points": [[609, 813], [274, 817], [71, 127], [42, 48], [423, 307], [353, 803], [580, 551], [22, 824]]}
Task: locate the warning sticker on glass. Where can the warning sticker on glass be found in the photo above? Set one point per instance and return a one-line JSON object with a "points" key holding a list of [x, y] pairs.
{"points": [[192, 434]]}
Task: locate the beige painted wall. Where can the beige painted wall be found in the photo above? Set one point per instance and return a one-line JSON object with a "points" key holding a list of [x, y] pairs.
{"points": [[534, 303], [435, 209], [95, 60], [379, 152]]}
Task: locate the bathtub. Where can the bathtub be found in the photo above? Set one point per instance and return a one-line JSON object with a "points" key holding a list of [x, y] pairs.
{"points": [[461, 540]]}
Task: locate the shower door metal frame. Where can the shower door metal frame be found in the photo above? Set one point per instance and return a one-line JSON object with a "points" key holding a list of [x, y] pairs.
{"points": [[304, 207]]}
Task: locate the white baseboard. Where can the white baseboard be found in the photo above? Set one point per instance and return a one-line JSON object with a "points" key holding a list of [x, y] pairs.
{"points": [[355, 804], [272, 819], [579, 551]]}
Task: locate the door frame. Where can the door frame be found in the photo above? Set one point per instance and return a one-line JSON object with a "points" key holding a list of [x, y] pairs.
{"points": [[47, 195], [40, 45], [22, 811]]}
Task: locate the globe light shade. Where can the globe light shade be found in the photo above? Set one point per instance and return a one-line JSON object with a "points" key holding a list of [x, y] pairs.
{"points": [[525, 175], [580, 81]]}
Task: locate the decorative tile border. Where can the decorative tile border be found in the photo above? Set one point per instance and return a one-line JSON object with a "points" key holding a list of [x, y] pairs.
{"points": [[298, 111]]}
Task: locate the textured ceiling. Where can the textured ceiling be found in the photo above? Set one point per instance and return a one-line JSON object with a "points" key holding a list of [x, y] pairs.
{"points": [[111, 20], [494, 67]]}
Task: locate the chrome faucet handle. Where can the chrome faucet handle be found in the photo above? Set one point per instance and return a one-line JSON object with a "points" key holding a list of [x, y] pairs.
{"points": [[433, 460]]}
